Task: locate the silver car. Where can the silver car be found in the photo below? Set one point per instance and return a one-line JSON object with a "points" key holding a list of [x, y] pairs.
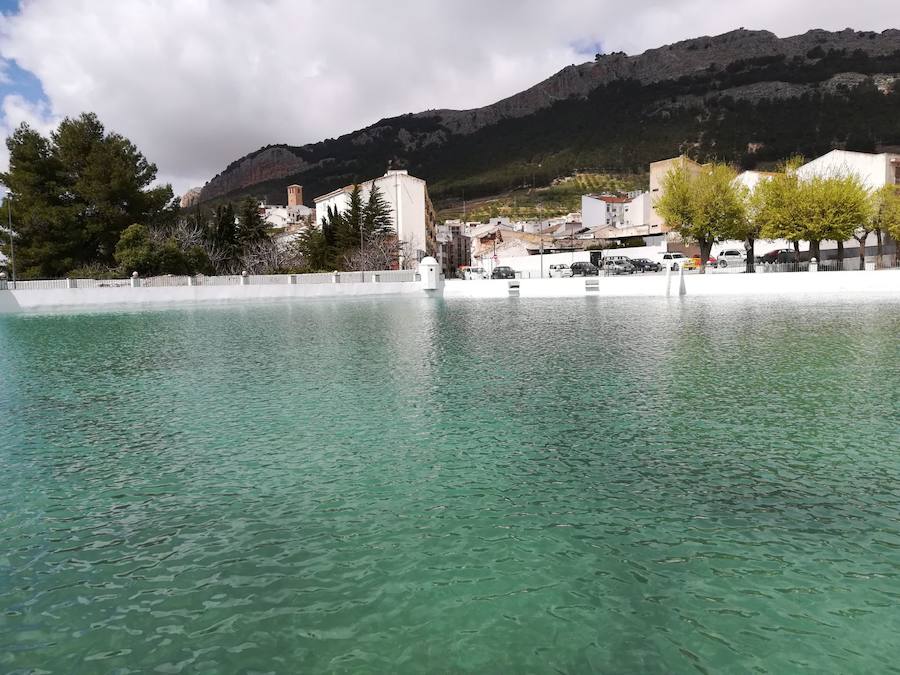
{"points": [[559, 271], [731, 256], [615, 267]]}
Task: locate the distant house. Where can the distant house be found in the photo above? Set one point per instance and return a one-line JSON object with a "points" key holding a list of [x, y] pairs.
{"points": [[874, 170], [454, 247], [750, 179], [603, 210], [411, 210], [284, 217]]}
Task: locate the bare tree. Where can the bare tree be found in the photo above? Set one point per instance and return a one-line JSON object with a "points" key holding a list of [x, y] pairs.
{"points": [[266, 257], [380, 252]]}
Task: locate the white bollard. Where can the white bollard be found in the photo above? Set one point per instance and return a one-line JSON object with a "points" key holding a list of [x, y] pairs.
{"points": [[813, 265], [245, 278], [376, 278], [681, 289], [191, 281], [3, 281], [668, 279], [335, 277], [135, 280]]}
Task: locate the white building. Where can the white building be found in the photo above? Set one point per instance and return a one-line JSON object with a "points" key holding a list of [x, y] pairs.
{"points": [[411, 209], [750, 179], [603, 210], [285, 217], [875, 171], [637, 211]]}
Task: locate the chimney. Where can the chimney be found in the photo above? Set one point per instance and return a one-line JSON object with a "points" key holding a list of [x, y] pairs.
{"points": [[295, 195]]}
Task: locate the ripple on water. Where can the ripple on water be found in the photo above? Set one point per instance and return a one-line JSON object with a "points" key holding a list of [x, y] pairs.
{"points": [[643, 486]]}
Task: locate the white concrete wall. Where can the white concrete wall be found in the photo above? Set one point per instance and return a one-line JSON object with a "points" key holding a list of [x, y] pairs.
{"points": [[63, 298], [797, 284], [530, 265], [791, 284]]}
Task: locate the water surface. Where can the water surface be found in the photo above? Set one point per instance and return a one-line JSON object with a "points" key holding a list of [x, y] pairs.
{"points": [[579, 485]]}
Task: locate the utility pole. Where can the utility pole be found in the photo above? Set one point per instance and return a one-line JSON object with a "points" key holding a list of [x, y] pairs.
{"points": [[541, 217], [12, 250]]}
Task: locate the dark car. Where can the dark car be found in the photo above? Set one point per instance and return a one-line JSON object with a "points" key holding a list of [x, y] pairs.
{"points": [[781, 255], [584, 269], [645, 265], [503, 272]]}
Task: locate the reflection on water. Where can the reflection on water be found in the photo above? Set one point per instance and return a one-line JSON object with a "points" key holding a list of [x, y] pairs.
{"points": [[400, 486]]}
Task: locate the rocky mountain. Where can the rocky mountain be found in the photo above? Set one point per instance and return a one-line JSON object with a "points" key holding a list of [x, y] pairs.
{"points": [[746, 96]]}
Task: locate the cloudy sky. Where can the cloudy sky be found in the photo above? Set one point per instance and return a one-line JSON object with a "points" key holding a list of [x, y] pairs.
{"points": [[198, 83]]}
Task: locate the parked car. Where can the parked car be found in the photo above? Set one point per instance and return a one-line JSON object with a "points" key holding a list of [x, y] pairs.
{"points": [[625, 261], [469, 273], [617, 267], [645, 265], [695, 262], [780, 255], [562, 270], [503, 272], [674, 260], [584, 269], [731, 256]]}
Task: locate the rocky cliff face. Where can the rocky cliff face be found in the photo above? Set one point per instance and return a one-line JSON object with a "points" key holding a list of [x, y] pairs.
{"points": [[266, 164], [743, 65], [190, 198], [682, 59]]}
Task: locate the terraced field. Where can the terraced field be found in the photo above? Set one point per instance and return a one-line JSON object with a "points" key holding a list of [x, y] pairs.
{"points": [[562, 197]]}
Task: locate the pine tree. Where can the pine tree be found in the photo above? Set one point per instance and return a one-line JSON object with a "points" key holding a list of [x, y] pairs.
{"points": [[351, 221], [251, 227], [377, 215], [75, 193]]}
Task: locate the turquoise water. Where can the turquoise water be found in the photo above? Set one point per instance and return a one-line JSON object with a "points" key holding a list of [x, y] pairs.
{"points": [[412, 486]]}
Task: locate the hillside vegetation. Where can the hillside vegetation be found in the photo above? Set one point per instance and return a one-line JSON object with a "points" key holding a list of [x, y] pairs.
{"points": [[527, 203]]}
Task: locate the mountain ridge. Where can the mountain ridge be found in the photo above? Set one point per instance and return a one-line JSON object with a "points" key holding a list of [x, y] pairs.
{"points": [[692, 76]]}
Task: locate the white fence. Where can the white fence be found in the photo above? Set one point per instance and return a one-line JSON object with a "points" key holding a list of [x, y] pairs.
{"points": [[376, 276]]}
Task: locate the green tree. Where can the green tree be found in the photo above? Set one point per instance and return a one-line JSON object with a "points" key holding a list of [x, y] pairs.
{"points": [[135, 251], [75, 193], [776, 204], [377, 215], [747, 227], [313, 247], [141, 250], [885, 215], [350, 225], [702, 207], [831, 207], [251, 227]]}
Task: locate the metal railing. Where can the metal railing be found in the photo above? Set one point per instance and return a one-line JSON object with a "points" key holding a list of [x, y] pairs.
{"points": [[849, 264]]}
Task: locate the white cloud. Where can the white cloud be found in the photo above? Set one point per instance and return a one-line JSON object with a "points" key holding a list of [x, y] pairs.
{"points": [[14, 110], [197, 83]]}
